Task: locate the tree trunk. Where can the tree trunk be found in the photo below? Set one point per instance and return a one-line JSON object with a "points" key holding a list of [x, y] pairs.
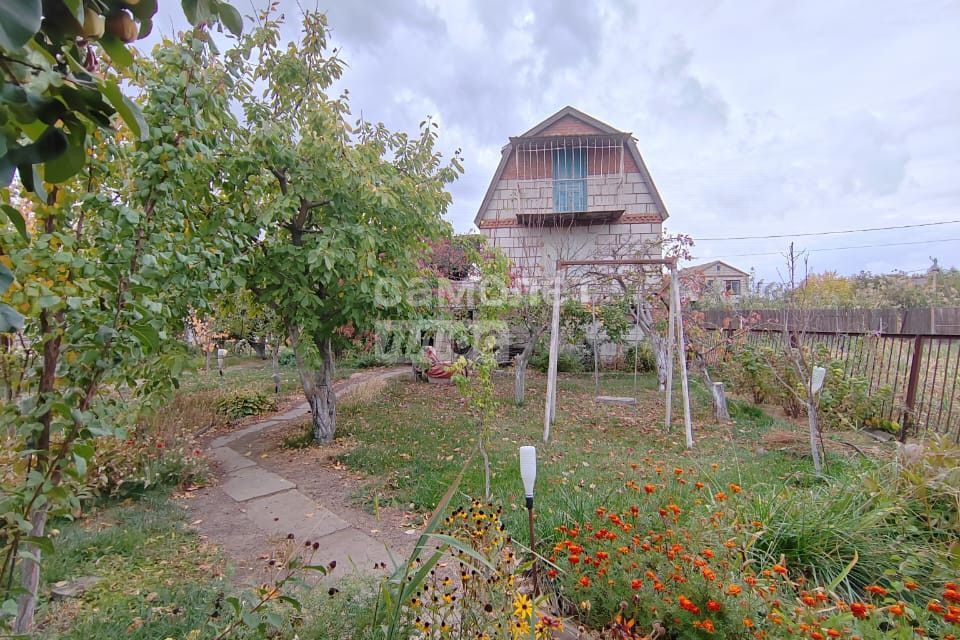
{"points": [[520, 373], [30, 574], [317, 385], [661, 353], [323, 404], [720, 402]]}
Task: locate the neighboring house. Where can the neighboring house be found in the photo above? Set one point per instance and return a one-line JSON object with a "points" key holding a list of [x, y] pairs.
{"points": [[714, 279], [571, 187]]}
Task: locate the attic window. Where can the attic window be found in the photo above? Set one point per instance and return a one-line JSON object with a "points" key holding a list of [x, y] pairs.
{"points": [[570, 179]]}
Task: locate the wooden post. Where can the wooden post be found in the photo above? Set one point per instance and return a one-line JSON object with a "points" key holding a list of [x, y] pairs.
{"points": [[682, 355], [550, 404], [720, 403], [913, 380], [671, 333]]}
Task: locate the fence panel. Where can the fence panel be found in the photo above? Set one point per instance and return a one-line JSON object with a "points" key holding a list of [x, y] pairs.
{"points": [[921, 372]]}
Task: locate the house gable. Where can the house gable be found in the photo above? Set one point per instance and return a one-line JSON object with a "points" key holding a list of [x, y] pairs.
{"points": [[570, 122]]}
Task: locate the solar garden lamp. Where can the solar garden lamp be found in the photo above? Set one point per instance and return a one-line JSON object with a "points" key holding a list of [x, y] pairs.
{"points": [[528, 472]]}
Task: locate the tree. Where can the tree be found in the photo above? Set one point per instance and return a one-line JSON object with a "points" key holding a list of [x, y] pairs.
{"points": [[344, 210], [119, 249]]}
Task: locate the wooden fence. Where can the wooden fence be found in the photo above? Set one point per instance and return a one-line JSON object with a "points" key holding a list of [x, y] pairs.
{"points": [[920, 370]]}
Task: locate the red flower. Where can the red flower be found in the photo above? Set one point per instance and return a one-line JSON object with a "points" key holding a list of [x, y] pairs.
{"points": [[953, 595], [876, 590], [713, 605], [573, 559], [734, 590], [833, 633], [779, 568], [635, 584], [584, 581], [896, 609], [552, 573], [859, 610], [649, 488]]}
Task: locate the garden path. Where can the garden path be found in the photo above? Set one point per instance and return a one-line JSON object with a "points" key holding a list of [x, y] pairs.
{"points": [[253, 509]]}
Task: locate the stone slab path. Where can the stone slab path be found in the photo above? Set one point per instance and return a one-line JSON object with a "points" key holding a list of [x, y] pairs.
{"points": [[277, 508]]}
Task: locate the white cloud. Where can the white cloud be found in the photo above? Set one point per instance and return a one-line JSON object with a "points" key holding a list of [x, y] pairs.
{"points": [[754, 117]]}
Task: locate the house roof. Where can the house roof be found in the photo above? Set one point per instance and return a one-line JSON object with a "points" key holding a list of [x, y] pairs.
{"points": [[706, 265], [601, 126]]}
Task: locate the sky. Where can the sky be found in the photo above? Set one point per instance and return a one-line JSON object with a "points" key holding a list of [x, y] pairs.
{"points": [[755, 117]]}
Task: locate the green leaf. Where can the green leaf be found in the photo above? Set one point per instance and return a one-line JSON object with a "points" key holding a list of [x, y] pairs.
{"points": [[43, 543], [148, 337], [71, 161], [16, 218], [10, 320], [231, 18], [460, 546], [51, 143], [32, 182], [81, 464], [197, 11], [6, 278], [76, 9], [127, 108], [117, 50], [19, 21]]}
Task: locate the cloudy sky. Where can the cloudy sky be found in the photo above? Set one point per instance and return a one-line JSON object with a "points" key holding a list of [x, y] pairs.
{"points": [[755, 117]]}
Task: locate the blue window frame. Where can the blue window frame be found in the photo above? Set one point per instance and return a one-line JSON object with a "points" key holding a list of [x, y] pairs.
{"points": [[570, 180]]}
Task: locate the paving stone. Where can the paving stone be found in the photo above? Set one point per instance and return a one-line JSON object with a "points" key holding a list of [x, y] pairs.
{"points": [[73, 588], [293, 512], [354, 552], [254, 482], [230, 460]]}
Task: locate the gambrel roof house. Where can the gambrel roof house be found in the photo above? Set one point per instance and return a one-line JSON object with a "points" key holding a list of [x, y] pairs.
{"points": [[572, 187]]}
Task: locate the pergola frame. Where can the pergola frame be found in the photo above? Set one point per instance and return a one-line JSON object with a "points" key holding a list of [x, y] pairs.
{"points": [[675, 339]]}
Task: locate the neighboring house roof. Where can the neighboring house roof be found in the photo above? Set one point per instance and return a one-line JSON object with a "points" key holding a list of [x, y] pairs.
{"points": [[600, 126], [703, 267]]}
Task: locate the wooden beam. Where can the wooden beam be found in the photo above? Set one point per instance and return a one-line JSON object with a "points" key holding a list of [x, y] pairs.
{"points": [[681, 353], [548, 410]]}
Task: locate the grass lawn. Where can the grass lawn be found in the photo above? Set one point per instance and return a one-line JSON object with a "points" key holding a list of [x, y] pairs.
{"points": [[414, 438], [157, 579]]}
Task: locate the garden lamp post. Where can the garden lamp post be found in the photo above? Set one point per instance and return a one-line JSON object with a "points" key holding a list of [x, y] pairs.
{"points": [[528, 472]]}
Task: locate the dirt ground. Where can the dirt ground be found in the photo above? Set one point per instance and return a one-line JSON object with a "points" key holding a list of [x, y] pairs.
{"points": [[315, 472]]}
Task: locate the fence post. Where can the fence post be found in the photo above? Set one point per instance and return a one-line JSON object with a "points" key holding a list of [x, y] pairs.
{"points": [[912, 381]]}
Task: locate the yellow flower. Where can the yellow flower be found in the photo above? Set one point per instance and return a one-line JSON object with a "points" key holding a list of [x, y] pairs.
{"points": [[522, 606]]}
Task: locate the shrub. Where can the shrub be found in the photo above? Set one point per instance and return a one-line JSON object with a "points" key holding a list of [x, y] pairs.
{"points": [[645, 360], [698, 559], [286, 358], [846, 401], [569, 360], [245, 403]]}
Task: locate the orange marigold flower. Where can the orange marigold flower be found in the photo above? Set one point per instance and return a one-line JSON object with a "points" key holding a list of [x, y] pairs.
{"points": [[573, 559], [709, 574], [735, 488], [896, 609], [876, 590], [707, 553], [859, 610], [816, 635], [552, 573], [602, 555], [635, 584], [584, 581], [649, 488], [734, 590], [699, 485], [720, 496], [833, 633], [911, 585], [707, 625], [953, 595], [809, 600], [779, 568], [678, 471], [935, 607], [747, 622], [713, 605]]}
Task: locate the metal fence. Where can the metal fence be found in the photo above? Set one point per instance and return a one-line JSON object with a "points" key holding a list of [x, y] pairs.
{"points": [[921, 372]]}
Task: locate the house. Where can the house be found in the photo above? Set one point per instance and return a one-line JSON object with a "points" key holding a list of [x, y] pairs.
{"points": [[572, 187], [715, 278]]}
